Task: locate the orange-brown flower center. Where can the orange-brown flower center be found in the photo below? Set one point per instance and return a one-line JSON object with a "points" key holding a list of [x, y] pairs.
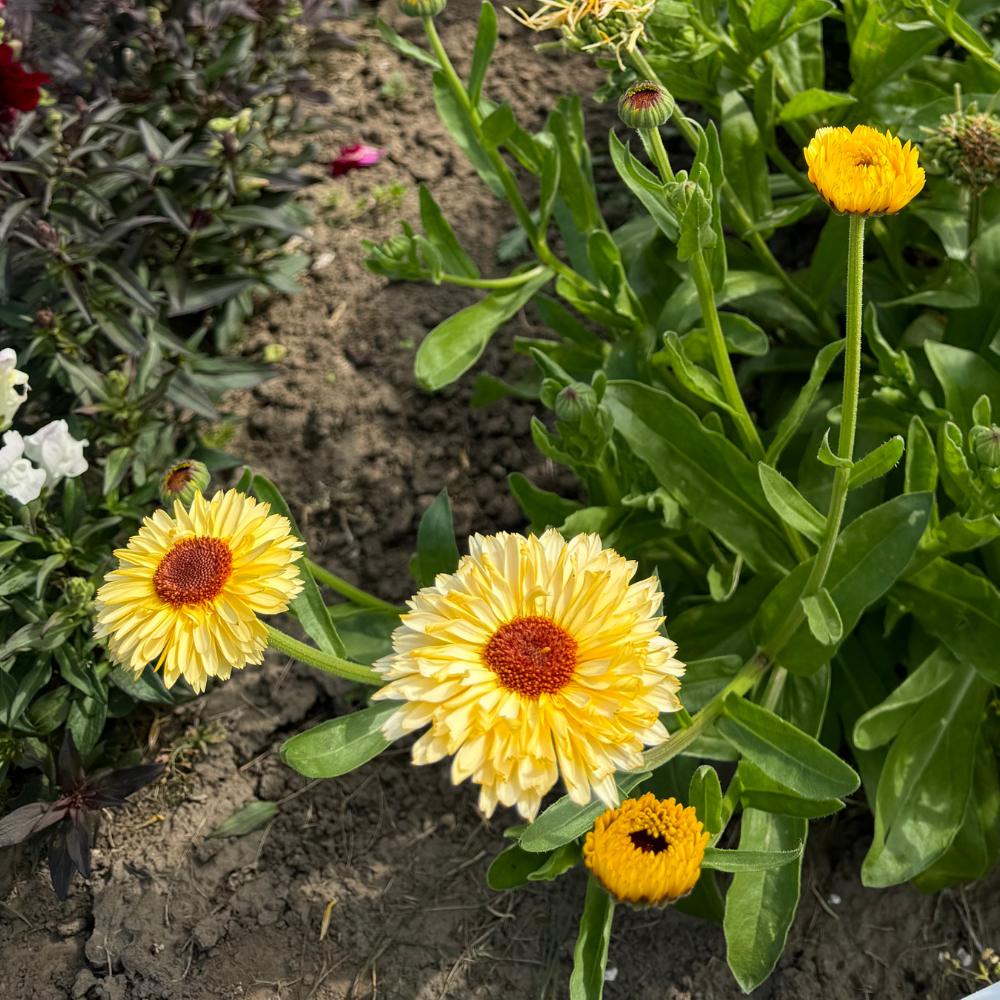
{"points": [[532, 656], [649, 843], [178, 479], [193, 571]]}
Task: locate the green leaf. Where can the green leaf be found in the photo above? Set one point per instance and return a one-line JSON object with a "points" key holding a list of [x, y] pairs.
{"points": [[881, 723], [711, 478], [881, 49], [921, 459], [246, 819], [964, 376], [961, 609], [758, 791], [793, 420], [590, 956], [696, 232], [748, 861], [869, 556], [823, 618], [785, 753], [512, 868], [437, 551], [454, 346], [925, 783], [793, 508], [827, 456], [705, 794], [564, 820], [116, 467], [401, 45], [544, 509], [694, 378], [340, 745], [147, 687], [876, 463], [813, 102], [453, 257], [645, 186], [498, 126], [260, 217], [486, 40], [455, 120], [760, 906], [743, 150], [86, 721], [308, 606]]}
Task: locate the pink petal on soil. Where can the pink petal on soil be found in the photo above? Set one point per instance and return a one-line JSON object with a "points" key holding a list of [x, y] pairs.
{"points": [[352, 157]]}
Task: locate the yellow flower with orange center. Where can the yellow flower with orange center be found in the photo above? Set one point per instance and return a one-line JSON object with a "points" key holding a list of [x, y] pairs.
{"points": [[188, 588], [648, 851], [535, 657], [863, 172]]}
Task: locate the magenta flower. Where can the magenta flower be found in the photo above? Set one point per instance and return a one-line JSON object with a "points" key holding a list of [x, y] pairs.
{"points": [[352, 157]]}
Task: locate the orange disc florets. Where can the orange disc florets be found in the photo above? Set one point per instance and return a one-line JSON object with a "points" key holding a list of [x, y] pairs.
{"points": [[193, 571], [532, 656]]}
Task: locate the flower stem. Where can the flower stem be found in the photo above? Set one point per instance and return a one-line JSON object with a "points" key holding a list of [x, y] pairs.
{"points": [[848, 426], [345, 589], [749, 674], [513, 281], [653, 142], [324, 661], [720, 355]]}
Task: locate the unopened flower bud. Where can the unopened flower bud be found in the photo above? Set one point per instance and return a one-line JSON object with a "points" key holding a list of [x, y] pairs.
{"points": [[182, 481], [985, 444], [575, 401], [79, 590], [422, 8], [645, 105]]}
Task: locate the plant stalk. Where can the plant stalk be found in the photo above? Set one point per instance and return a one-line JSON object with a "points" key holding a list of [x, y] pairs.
{"points": [[324, 661], [720, 355], [352, 593], [653, 142]]}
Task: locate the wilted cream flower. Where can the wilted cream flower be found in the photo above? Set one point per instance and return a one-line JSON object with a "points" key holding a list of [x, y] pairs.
{"points": [[56, 451]]}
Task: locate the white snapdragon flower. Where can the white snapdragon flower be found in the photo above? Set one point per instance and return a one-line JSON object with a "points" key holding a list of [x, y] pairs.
{"points": [[18, 477], [10, 381], [57, 452]]}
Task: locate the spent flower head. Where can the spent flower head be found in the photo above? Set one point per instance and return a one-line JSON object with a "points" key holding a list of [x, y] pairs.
{"points": [[965, 149], [591, 25]]}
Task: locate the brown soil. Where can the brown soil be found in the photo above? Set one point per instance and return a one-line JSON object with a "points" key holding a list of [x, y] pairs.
{"points": [[396, 853]]}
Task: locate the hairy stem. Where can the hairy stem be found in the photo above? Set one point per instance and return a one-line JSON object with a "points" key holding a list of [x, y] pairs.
{"points": [[324, 661]]}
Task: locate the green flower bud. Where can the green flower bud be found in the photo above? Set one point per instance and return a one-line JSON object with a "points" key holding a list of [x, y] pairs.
{"points": [[422, 8], [182, 481], [985, 444], [645, 105], [575, 402], [79, 590], [10, 747]]}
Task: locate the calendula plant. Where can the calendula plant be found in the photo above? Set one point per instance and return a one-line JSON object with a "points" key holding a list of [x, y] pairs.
{"points": [[804, 457]]}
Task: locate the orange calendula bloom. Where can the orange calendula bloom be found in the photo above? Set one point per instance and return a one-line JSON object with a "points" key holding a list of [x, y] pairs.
{"points": [[536, 658], [647, 851], [863, 172]]}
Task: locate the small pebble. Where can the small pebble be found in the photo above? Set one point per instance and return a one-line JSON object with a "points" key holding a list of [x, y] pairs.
{"points": [[835, 900], [610, 975], [71, 928]]}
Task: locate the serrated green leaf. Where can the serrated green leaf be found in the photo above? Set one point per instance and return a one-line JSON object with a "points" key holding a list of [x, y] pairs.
{"points": [[876, 463], [748, 861], [790, 505]]}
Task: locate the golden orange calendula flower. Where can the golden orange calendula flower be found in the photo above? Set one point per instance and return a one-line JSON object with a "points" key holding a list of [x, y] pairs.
{"points": [[188, 588], [647, 851], [863, 172]]}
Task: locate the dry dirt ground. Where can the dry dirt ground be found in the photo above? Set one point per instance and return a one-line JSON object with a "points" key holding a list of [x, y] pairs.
{"points": [[394, 854]]}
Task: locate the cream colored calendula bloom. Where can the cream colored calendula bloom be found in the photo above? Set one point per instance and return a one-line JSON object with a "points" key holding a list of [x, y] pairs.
{"points": [[648, 851], [188, 588], [536, 658], [863, 172]]}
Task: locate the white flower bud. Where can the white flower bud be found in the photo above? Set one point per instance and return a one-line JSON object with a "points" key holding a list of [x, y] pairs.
{"points": [[57, 452]]}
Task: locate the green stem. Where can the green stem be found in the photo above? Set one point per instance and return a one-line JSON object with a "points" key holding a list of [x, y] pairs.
{"points": [[848, 426], [349, 591], [973, 215], [751, 672], [653, 142], [514, 281], [720, 355], [755, 240], [536, 238], [324, 661]]}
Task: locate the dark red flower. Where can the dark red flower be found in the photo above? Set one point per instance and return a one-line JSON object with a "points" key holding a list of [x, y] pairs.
{"points": [[18, 87]]}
